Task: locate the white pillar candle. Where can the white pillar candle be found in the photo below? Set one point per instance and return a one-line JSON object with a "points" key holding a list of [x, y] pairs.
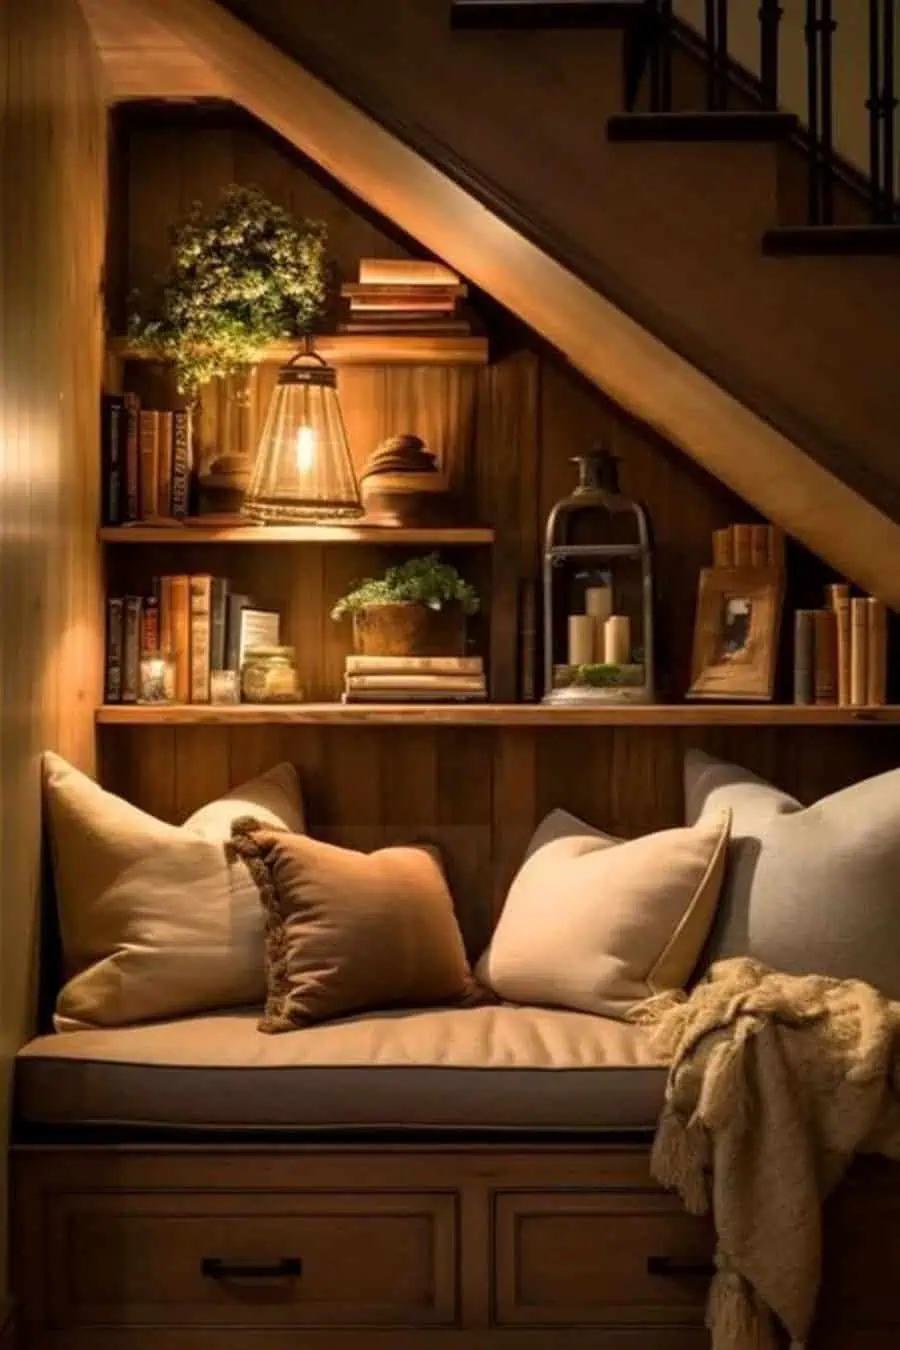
{"points": [[617, 644], [581, 639], [598, 602]]}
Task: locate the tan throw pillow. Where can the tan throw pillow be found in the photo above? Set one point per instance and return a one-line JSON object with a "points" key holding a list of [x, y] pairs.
{"points": [[597, 925], [156, 921], [346, 931]]}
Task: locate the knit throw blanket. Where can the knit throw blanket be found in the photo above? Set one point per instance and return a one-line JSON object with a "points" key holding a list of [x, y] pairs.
{"points": [[776, 1081]]}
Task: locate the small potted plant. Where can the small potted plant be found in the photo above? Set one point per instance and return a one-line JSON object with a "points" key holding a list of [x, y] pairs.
{"points": [[418, 608]]}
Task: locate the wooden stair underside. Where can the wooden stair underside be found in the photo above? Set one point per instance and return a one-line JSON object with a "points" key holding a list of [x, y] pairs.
{"points": [[632, 367]]}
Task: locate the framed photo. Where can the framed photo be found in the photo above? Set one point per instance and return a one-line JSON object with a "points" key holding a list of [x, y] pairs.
{"points": [[736, 633]]}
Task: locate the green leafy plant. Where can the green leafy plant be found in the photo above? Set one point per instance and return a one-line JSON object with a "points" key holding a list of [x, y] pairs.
{"points": [[239, 277], [421, 581], [599, 676]]}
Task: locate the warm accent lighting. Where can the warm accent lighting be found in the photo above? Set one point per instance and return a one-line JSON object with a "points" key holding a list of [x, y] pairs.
{"points": [[303, 470]]}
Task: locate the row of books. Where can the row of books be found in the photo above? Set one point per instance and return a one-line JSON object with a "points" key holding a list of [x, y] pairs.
{"points": [[748, 546], [146, 461], [414, 679], [394, 296], [198, 620], [840, 651]]}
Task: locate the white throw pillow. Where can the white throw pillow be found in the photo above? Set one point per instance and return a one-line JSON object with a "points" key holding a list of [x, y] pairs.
{"points": [[155, 920], [597, 925]]}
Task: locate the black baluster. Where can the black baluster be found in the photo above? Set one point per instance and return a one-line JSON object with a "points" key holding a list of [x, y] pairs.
{"points": [[722, 53], [711, 48], [826, 33], [873, 103], [770, 16], [812, 72], [889, 101]]}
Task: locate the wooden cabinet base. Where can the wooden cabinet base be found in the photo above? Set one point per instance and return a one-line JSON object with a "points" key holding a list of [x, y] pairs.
{"points": [[289, 1247]]}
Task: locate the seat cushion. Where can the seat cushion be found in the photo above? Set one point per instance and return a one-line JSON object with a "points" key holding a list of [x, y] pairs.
{"points": [[495, 1067]]}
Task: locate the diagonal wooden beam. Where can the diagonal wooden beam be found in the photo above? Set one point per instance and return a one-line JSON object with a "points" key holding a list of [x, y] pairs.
{"points": [[635, 369]]}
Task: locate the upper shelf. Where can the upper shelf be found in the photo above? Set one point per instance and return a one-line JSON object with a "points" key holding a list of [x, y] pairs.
{"points": [[354, 533], [493, 715], [362, 349]]}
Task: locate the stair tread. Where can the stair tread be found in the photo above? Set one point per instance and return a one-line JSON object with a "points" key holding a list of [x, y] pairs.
{"points": [[701, 126], [834, 240]]}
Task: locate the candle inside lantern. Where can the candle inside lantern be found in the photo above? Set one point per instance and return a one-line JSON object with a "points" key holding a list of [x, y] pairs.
{"points": [[157, 678], [581, 639], [617, 640]]}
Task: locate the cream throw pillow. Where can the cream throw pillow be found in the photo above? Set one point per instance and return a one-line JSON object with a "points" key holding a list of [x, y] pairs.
{"points": [[155, 920], [597, 925]]}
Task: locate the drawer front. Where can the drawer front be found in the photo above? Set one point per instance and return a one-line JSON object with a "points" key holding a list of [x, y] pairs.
{"points": [[590, 1258], [255, 1260]]}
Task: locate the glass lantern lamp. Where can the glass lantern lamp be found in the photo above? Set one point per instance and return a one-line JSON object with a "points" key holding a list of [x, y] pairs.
{"points": [[303, 470], [598, 592]]}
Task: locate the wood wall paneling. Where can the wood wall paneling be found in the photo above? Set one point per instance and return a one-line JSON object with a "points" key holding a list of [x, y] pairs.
{"points": [[52, 230]]}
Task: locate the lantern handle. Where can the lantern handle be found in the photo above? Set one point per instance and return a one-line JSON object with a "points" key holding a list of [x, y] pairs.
{"points": [[308, 353]]}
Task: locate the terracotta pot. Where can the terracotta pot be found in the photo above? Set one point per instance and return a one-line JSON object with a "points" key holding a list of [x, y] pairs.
{"points": [[407, 629]]}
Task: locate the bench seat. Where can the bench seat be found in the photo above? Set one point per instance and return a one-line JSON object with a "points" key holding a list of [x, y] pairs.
{"points": [[484, 1068]]}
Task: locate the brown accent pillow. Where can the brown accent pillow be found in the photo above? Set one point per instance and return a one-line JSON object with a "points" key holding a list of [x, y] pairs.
{"points": [[349, 931]]}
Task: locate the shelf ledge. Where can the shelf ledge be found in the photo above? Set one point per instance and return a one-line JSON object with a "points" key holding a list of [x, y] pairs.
{"points": [[493, 715], [360, 533], [360, 349]]}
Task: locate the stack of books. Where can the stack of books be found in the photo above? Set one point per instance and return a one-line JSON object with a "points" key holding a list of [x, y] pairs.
{"points": [[840, 651], [197, 620], [394, 296], [748, 546], [414, 679], [146, 462]]}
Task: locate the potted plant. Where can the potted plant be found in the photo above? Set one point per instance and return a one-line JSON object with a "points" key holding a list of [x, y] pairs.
{"points": [[241, 276], [418, 608]]}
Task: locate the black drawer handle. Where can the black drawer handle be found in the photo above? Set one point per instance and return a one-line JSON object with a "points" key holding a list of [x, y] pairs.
{"points": [[214, 1268], [669, 1268]]}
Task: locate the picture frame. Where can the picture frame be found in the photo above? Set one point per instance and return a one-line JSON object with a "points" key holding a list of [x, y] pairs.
{"points": [[736, 633]]}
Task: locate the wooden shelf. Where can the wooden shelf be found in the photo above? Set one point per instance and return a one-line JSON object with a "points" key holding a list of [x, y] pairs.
{"points": [[362, 349], [358, 533], [494, 715]]}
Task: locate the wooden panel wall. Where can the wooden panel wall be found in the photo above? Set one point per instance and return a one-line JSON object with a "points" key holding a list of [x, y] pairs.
{"points": [[52, 227], [508, 432]]}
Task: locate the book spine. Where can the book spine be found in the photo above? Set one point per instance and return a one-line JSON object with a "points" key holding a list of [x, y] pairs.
{"points": [[452, 684], [743, 550], [131, 649], [180, 622], [859, 677], [825, 682], [201, 607], [115, 642], [396, 326], [148, 423], [723, 547], [235, 605], [164, 585], [150, 626], [776, 548], [182, 457], [112, 442], [839, 600], [397, 293], [876, 652], [218, 623], [759, 545], [803, 656], [132, 459], [164, 467], [413, 665]]}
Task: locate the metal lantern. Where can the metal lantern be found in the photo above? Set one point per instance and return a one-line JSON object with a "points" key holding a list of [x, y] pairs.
{"points": [[303, 470], [598, 592]]}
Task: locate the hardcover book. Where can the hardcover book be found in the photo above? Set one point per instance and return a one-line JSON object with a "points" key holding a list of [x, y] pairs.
{"points": [[132, 459], [201, 609], [115, 643], [112, 459], [131, 649]]}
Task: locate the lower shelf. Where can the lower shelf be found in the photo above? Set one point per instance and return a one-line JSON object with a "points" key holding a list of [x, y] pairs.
{"points": [[492, 714]]}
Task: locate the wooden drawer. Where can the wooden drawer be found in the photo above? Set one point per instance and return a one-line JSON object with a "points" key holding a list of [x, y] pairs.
{"points": [[256, 1260], [590, 1258]]}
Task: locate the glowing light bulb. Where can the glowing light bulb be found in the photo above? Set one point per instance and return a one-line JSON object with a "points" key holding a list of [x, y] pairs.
{"points": [[306, 449]]}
